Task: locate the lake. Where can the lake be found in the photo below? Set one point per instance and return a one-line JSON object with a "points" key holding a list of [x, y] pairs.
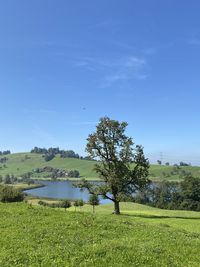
{"points": [[61, 189]]}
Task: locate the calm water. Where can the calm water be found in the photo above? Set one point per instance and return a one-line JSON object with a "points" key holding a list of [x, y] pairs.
{"points": [[60, 189]]}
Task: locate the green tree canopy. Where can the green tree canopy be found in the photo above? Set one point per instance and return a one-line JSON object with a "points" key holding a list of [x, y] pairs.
{"points": [[122, 168]]}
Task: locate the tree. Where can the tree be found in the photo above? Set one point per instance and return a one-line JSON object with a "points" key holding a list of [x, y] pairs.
{"points": [[183, 164], [76, 203], [114, 152], [94, 201], [65, 204], [7, 179], [10, 194], [190, 189], [81, 203], [159, 162]]}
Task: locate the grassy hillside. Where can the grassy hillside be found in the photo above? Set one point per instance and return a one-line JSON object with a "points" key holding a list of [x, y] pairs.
{"points": [[142, 236], [20, 163]]}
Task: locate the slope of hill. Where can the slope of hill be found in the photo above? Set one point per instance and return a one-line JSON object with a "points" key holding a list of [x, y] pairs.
{"points": [[21, 163], [141, 236]]}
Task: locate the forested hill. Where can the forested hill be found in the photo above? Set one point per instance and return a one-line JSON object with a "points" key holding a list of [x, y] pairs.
{"points": [[35, 164]]}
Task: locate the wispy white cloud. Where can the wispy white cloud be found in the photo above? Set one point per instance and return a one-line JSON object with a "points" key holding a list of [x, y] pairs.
{"points": [[115, 70], [128, 68]]}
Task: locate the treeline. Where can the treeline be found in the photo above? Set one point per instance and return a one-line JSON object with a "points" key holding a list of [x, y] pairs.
{"points": [[8, 179], [51, 152], [61, 204], [6, 152], [28, 177], [12, 179], [182, 164], [10, 194], [3, 160], [177, 171], [55, 151], [56, 173], [172, 195]]}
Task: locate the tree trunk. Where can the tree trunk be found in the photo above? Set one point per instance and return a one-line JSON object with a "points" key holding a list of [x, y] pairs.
{"points": [[117, 209]]}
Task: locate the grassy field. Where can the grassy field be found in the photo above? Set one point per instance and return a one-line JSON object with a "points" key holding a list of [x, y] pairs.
{"points": [[20, 163], [24, 186], [141, 236]]}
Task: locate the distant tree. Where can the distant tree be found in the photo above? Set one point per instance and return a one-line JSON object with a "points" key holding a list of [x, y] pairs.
{"points": [[10, 194], [173, 195], [76, 203], [190, 189], [176, 165], [26, 176], [39, 150], [88, 158], [13, 178], [7, 179], [94, 201], [73, 173], [167, 164], [48, 157], [6, 152], [47, 153], [65, 204], [81, 203], [113, 149], [3, 160], [26, 157], [68, 154], [159, 162], [183, 164]]}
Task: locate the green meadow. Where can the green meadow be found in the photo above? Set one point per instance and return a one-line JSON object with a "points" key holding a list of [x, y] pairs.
{"points": [[21, 163], [35, 236]]}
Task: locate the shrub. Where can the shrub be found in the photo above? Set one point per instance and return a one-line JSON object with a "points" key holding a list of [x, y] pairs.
{"points": [[94, 201], [65, 204], [10, 194], [61, 204], [78, 203], [73, 173]]}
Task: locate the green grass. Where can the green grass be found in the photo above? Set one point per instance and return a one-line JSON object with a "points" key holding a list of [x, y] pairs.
{"points": [[17, 164], [185, 220], [142, 236]]}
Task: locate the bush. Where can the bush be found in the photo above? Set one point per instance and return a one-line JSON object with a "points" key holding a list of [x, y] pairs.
{"points": [[78, 203], [65, 204], [73, 173], [49, 156], [171, 195], [61, 204], [10, 194]]}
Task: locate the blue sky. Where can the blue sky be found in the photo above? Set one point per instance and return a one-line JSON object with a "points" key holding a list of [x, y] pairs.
{"points": [[64, 64]]}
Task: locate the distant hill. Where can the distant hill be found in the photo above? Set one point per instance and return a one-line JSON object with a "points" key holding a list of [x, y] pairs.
{"points": [[20, 163]]}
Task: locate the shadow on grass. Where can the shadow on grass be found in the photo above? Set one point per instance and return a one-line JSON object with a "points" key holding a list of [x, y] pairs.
{"points": [[151, 216]]}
